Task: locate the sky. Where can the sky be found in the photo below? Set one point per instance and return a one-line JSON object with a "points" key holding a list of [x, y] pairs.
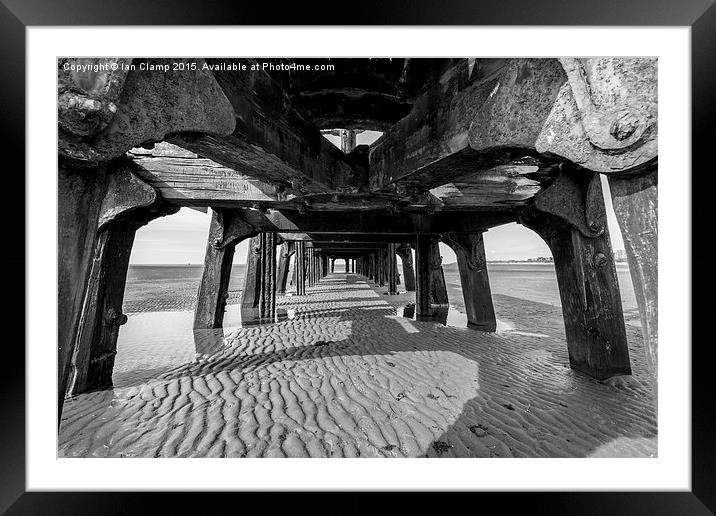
{"points": [[181, 238]]}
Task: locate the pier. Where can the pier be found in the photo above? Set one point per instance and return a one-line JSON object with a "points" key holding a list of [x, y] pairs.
{"points": [[467, 145]]}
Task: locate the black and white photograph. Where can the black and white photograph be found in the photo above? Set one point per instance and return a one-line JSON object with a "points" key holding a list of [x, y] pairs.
{"points": [[445, 257], [416, 248]]}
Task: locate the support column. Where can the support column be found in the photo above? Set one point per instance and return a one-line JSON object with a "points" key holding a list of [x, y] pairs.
{"points": [[392, 284], [225, 232], [348, 140], [96, 346], [406, 256], [380, 258], [79, 199], [251, 294], [470, 252], [422, 264], [300, 266], [394, 257], [589, 290], [267, 296], [286, 250], [127, 205], [635, 201], [437, 276], [311, 267]]}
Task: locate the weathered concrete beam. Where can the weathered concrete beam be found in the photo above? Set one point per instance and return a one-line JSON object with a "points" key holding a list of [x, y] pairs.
{"points": [[597, 112], [469, 123], [272, 141], [102, 114]]}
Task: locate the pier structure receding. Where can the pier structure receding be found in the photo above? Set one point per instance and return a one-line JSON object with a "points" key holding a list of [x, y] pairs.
{"points": [[467, 145]]}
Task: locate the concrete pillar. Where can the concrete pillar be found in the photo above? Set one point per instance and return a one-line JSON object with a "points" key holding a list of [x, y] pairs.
{"points": [[470, 252], [423, 295]]}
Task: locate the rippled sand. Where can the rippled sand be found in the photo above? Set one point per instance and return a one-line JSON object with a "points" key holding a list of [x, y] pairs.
{"points": [[344, 376]]}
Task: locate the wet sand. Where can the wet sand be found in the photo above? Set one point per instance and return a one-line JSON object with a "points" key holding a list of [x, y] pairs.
{"points": [[343, 375]]}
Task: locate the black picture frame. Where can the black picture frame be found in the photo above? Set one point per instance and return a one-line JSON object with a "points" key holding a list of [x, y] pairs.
{"points": [[17, 15]]}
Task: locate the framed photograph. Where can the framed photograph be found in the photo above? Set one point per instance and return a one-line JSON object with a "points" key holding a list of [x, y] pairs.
{"points": [[419, 252]]}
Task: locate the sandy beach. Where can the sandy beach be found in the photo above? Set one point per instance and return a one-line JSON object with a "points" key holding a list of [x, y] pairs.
{"points": [[344, 373]]}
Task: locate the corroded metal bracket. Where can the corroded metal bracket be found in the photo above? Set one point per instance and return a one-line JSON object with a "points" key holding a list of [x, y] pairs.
{"points": [[605, 115], [575, 197], [613, 127]]}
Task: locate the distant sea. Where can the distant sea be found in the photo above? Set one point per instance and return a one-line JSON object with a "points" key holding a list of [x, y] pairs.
{"points": [[531, 281], [146, 283], [534, 282]]}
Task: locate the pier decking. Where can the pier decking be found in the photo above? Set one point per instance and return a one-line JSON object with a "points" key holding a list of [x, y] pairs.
{"points": [[344, 372]]}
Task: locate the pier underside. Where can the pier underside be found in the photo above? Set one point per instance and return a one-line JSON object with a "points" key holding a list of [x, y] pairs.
{"points": [[466, 145]]}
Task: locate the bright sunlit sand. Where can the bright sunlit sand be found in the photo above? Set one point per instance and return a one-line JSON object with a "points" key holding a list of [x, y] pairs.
{"points": [[344, 373]]}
